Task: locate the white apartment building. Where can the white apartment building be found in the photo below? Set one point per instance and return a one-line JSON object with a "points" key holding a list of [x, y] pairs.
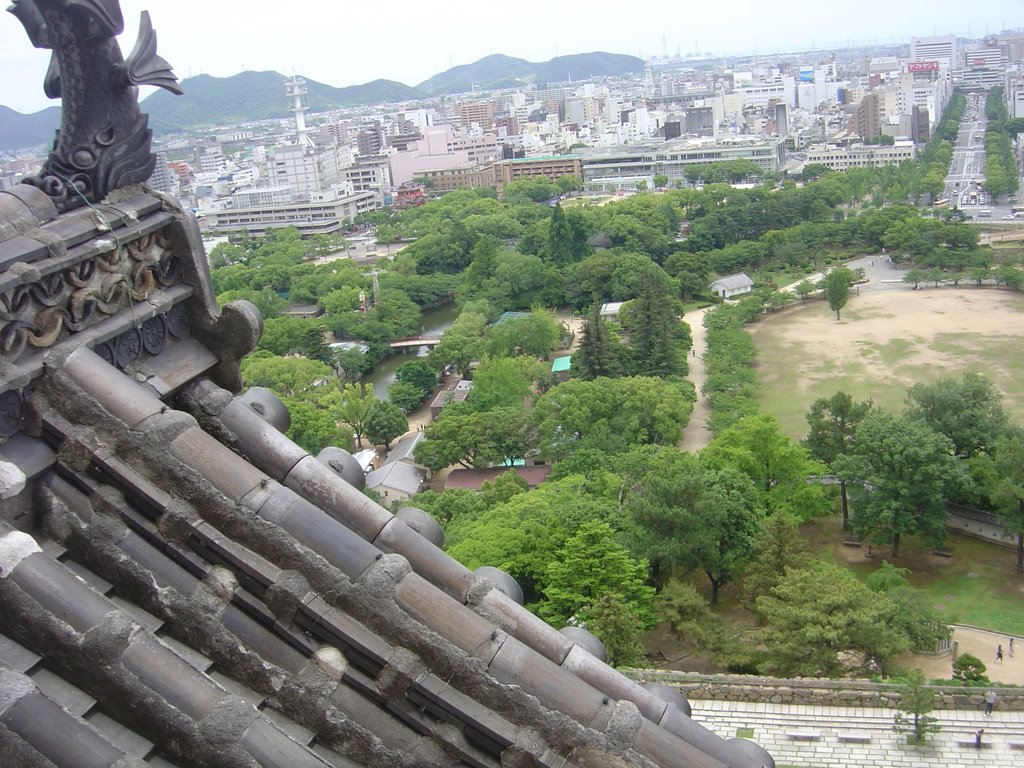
{"points": [[623, 167], [782, 90], [308, 169], [324, 213], [860, 155]]}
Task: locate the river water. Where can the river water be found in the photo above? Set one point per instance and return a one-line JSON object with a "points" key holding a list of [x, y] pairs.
{"points": [[435, 322]]}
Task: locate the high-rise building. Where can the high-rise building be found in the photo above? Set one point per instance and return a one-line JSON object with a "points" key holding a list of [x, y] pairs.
{"points": [[867, 117], [479, 112], [941, 49]]}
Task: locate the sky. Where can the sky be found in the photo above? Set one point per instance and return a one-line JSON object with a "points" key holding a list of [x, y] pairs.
{"points": [[349, 43]]}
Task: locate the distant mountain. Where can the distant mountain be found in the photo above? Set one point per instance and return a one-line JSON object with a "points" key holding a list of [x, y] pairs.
{"points": [[499, 71], [479, 74], [210, 101], [18, 131], [582, 66]]}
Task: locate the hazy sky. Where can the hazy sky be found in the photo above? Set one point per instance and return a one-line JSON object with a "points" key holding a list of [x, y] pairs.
{"points": [[348, 43]]}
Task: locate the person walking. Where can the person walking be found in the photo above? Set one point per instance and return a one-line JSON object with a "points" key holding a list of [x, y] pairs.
{"points": [[1010, 649], [977, 738], [999, 654], [990, 701]]}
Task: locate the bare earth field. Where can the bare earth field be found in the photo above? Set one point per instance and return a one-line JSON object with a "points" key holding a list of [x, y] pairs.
{"points": [[886, 341]]}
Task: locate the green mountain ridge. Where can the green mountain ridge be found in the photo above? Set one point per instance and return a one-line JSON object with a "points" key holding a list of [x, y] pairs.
{"points": [[496, 70], [18, 131], [210, 101]]}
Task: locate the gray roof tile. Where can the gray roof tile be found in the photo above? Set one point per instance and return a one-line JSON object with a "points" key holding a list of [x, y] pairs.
{"points": [[73, 699]]}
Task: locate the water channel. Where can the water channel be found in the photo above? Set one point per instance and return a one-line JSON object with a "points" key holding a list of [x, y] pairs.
{"points": [[435, 322]]}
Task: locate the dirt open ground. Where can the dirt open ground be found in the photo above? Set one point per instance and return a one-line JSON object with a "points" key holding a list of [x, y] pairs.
{"points": [[886, 341]]}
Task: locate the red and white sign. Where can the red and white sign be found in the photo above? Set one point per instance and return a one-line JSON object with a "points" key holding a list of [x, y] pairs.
{"points": [[923, 66]]}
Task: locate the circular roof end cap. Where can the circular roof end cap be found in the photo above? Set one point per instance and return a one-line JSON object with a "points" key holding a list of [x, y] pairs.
{"points": [[423, 524], [586, 641], [344, 465], [750, 754], [269, 407], [670, 694], [502, 581]]}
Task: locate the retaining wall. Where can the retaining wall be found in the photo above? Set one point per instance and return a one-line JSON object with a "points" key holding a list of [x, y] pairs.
{"points": [[816, 692]]}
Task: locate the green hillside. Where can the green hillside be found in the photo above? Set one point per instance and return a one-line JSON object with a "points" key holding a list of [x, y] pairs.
{"points": [[18, 131], [211, 101]]}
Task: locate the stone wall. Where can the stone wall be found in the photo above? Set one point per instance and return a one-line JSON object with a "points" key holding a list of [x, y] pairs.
{"points": [[817, 692]]}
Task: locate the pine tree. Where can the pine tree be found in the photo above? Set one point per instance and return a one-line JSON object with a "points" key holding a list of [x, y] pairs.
{"points": [[559, 247], [654, 332], [598, 353]]}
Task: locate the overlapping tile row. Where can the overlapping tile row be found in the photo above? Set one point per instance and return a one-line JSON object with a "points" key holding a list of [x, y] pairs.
{"points": [[246, 605]]}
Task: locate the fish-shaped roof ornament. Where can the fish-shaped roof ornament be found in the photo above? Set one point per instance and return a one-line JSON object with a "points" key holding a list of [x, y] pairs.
{"points": [[104, 141]]}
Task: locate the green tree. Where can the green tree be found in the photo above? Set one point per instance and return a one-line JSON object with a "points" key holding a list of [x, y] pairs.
{"points": [[916, 701], [418, 374], [525, 535], [620, 628], [689, 516], [356, 402], [778, 467], [833, 428], [611, 414], [901, 467], [1007, 487], [821, 621], [315, 427], [777, 548], [502, 488], [588, 567], [558, 248], [474, 438], [384, 423], [837, 288], [405, 395], [351, 363], [687, 613], [913, 614], [804, 289], [660, 181], [969, 412], [599, 352], [462, 343], [916, 276], [656, 338], [502, 381], [969, 670], [287, 376], [534, 335]]}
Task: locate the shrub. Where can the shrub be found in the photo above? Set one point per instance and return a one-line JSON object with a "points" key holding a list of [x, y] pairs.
{"points": [[969, 670]]}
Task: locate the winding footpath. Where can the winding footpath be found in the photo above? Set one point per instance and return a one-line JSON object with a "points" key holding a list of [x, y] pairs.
{"points": [[696, 435]]}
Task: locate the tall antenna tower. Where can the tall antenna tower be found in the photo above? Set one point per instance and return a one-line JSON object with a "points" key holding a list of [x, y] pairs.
{"points": [[296, 90], [376, 283]]}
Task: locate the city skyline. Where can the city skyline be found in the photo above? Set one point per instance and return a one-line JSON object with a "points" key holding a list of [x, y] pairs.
{"points": [[417, 41]]}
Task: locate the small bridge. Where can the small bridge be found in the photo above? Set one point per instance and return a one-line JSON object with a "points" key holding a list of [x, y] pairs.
{"points": [[412, 341]]}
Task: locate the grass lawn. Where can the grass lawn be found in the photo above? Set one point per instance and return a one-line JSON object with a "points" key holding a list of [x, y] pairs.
{"points": [[976, 586]]}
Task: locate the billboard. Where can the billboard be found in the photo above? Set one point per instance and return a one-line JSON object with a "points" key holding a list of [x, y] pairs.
{"points": [[806, 74], [923, 66]]}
